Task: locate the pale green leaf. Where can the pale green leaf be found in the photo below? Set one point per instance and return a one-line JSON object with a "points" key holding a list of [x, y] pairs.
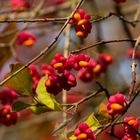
{"points": [[92, 122], [46, 98]]}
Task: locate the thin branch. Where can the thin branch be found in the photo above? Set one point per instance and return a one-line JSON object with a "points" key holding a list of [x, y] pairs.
{"points": [[133, 68], [118, 117], [43, 52], [75, 105], [103, 42], [131, 22], [61, 126], [12, 42], [112, 123], [104, 89], [136, 17], [34, 20], [136, 131]]}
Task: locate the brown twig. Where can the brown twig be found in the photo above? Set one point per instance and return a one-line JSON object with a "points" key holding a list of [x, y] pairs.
{"points": [[102, 89], [131, 22], [75, 105], [43, 52], [34, 20], [12, 42], [119, 116], [103, 42], [118, 123], [133, 68]]}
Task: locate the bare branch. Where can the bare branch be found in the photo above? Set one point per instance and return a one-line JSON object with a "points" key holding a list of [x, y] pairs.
{"points": [[34, 20], [103, 42], [43, 52], [133, 68]]}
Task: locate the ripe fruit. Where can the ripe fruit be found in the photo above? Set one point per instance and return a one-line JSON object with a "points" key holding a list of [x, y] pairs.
{"points": [[7, 117], [130, 133], [81, 20], [20, 4], [116, 104], [26, 39], [84, 132]]}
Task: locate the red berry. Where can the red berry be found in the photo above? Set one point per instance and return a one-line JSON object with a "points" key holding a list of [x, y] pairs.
{"points": [[20, 4], [26, 39], [116, 104]]}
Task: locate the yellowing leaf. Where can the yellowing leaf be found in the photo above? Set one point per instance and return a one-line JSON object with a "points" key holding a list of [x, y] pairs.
{"points": [[92, 122], [103, 111]]}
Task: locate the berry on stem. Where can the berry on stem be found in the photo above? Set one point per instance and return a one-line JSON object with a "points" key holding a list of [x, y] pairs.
{"points": [[116, 104], [81, 21], [26, 39], [84, 132], [130, 133]]}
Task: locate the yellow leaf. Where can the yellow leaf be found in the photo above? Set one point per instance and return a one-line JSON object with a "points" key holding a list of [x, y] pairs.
{"points": [[103, 111]]}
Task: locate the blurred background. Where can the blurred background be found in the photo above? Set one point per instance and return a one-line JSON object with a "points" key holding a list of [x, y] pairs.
{"points": [[116, 78]]}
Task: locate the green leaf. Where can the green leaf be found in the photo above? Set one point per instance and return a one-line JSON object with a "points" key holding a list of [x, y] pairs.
{"points": [[18, 106], [46, 98], [38, 109], [92, 122], [22, 82]]}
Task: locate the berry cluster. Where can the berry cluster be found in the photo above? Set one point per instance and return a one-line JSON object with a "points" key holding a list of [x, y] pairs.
{"points": [[81, 20], [120, 1], [95, 68], [59, 71], [116, 104], [60, 75], [26, 39], [130, 133], [7, 117], [84, 132], [20, 4]]}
